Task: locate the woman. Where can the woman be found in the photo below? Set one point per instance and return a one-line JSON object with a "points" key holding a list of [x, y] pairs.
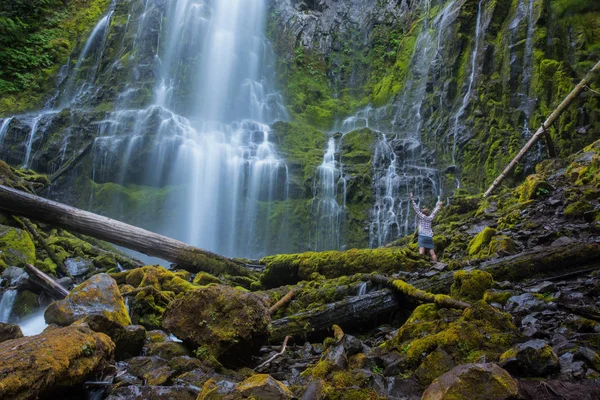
{"points": [[425, 231]]}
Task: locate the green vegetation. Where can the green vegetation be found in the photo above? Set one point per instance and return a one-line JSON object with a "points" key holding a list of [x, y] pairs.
{"points": [[36, 38]]}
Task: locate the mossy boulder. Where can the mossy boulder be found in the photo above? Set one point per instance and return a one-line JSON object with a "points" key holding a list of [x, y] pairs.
{"points": [[534, 187], [502, 245], [52, 361], [98, 295], [478, 246], [204, 278], [9, 332], [26, 303], [263, 386], [16, 247], [471, 285], [229, 323], [534, 358], [473, 382], [479, 332], [129, 340], [154, 287]]}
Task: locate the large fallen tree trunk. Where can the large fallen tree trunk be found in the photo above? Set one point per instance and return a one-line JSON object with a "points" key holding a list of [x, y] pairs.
{"points": [[547, 261], [185, 256], [351, 310], [543, 129], [47, 284]]}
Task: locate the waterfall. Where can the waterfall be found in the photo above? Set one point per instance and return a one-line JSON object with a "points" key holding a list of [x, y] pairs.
{"points": [[327, 196], [33, 325], [4, 129], [400, 162], [362, 289], [479, 30], [6, 304], [206, 134]]}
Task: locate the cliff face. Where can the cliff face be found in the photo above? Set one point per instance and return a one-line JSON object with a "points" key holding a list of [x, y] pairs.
{"points": [[382, 98]]}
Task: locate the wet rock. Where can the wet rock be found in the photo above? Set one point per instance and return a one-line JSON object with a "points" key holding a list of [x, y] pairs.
{"points": [[524, 303], [65, 282], [98, 295], [140, 366], [129, 340], [167, 350], [561, 241], [48, 363], [337, 357], [16, 277], [589, 355], [534, 358], [231, 324], [263, 386], [314, 391], [78, 266], [473, 382], [352, 345], [183, 364], [543, 287], [154, 393], [9, 332], [571, 368]]}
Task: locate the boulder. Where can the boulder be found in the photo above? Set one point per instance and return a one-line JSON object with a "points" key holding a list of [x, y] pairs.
{"points": [[16, 247], [78, 266], [533, 358], [129, 340], [230, 324], [473, 382], [99, 295], [9, 332], [471, 285], [263, 386], [50, 362]]}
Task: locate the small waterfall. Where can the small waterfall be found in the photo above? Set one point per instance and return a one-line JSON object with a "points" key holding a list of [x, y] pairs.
{"points": [[6, 304], [479, 30], [73, 88], [362, 289], [327, 197], [34, 127], [4, 129]]}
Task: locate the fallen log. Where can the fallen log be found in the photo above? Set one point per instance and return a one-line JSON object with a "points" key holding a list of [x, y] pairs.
{"points": [[350, 310], [546, 261], [44, 282], [543, 129], [417, 294], [185, 256]]}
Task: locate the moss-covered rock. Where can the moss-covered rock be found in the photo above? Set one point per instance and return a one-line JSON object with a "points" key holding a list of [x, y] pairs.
{"points": [[204, 278], [16, 247], [471, 285], [478, 246], [230, 323], [263, 386], [129, 340], [9, 332], [474, 382], [533, 358], [534, 187], [98, 295], [26, 303], [51, 362], [476, 333]]}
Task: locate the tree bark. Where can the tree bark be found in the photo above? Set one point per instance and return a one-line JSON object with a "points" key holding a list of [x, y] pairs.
{"points": [[350, 310], [185, 256], [47, 284], [555, 114], [283, 301]]}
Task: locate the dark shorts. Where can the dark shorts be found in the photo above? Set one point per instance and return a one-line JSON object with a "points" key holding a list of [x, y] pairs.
{"points": [[426, 241]]}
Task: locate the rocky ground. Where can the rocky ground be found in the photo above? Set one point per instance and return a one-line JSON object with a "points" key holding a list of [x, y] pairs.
{"points": [[522, 319]]}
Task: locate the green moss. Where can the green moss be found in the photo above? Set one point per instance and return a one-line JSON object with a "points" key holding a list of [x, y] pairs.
{"points": [[204, 278], [16, 247], [291, 268], [494, 296], [471, 285], [479, 244], [534, 187], [577, 209], [25, 304]]}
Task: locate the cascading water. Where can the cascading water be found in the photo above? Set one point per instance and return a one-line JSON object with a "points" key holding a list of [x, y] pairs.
{"points": [[4, 128], [329, 200], [457, 128], [209, 144], [401, 163], [6, 304]]}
